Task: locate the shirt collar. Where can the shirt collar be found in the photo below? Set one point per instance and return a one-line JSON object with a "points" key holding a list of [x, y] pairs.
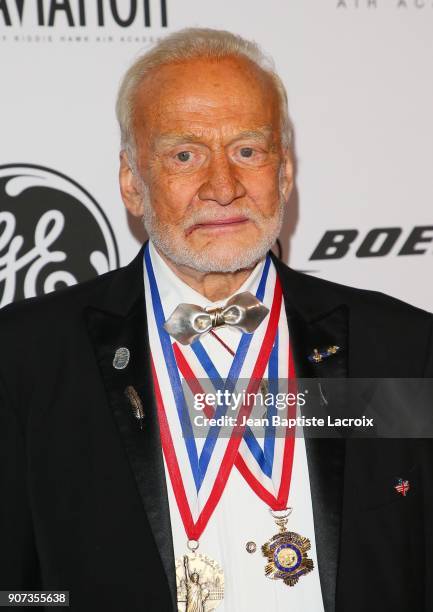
{"points": [[174, 291]]}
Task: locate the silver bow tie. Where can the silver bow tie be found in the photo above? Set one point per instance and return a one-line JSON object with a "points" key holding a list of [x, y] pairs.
{"points": [[188, 321]]}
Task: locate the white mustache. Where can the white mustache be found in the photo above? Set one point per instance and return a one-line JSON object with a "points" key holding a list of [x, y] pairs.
{"points": [[200, 219]]}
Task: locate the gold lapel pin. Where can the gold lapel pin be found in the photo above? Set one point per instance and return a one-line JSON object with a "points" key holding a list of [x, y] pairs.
{"points": [[318, 356], [332, 349]]}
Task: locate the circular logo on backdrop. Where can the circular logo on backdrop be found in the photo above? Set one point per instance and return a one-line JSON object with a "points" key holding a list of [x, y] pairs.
{"points": [[52, 233]]}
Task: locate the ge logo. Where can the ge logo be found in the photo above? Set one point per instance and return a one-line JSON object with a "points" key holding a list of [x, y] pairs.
{"points": [[52, 233]]}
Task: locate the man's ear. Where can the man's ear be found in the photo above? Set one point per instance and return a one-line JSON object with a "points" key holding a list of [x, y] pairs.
{"points": [[286, 184], [130, 187]]}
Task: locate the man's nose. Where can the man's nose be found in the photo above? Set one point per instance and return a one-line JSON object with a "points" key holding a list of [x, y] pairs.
{"points": [[222, 185]]}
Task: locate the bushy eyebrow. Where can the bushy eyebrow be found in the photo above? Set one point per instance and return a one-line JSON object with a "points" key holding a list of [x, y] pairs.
{"points": [[171, 140], [260, 134], [167, 140]]}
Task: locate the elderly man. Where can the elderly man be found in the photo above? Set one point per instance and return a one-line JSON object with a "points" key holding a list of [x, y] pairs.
{"points": [[109, 491]]}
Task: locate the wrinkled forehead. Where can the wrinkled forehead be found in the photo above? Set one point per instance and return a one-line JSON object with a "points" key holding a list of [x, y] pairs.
{"points": [[202, 94]]}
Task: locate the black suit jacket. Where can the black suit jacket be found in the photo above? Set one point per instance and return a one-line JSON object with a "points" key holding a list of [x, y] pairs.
{"points": [[83, 493]]}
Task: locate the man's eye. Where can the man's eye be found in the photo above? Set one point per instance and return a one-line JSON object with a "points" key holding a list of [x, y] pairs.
{"points": [[246, 152], [184, 156]]}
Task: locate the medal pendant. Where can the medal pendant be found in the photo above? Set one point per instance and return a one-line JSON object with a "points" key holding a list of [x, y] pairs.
{"points": [[199, 582], [287, 553]]}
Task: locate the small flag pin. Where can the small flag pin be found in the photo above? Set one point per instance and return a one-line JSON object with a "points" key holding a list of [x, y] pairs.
{"points": [[402, 487]]}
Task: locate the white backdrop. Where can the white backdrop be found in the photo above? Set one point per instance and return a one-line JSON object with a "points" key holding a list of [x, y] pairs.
{"points": [[359, 79]]}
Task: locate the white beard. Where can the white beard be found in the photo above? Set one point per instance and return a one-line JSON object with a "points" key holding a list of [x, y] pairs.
{"points": [[168, 240]]}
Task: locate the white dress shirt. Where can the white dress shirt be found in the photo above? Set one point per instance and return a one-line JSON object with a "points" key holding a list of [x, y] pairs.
{"points": [[240, 516]]}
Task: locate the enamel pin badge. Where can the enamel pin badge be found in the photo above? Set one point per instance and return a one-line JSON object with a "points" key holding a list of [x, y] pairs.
{"points": [[402, 487], [318, 356], [286, 552]]}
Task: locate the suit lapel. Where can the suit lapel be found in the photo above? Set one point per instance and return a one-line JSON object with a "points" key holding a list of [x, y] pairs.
{"points": [[118, 319], [320, 327]]}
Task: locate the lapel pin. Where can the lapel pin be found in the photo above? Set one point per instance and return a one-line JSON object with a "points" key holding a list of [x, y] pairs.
{"points": [[402, 487], [135, 401], [121, 358], [318, 356]]}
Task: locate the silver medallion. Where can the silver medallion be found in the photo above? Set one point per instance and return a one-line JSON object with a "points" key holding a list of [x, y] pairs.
{"points": [[199, 582], [121, 358], [251, 547]]}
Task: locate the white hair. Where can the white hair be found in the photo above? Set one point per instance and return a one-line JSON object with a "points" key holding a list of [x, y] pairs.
{"points": [[186, 44]]}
